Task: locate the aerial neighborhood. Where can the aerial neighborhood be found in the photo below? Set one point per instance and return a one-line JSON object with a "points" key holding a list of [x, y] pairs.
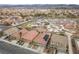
{"points": [[48, 31]]}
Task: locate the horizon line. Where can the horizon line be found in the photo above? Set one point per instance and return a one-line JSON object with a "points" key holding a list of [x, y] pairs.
{"points": [[39, 4]]}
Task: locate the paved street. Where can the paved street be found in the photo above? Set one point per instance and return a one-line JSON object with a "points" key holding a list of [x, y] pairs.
{"points": [[6, 48]]}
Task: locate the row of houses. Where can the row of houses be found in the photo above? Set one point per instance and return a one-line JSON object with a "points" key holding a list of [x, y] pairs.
{"points": [[11, 20], [38, 38]]}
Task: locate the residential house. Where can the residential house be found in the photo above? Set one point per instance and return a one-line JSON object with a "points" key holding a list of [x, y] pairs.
{"points": [[29, 36], [7, 21], [17, 35], [25, 35], [11, 31], [58, 41], [42, 39]]}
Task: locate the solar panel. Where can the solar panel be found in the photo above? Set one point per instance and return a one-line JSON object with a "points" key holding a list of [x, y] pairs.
{"points": [[46, 37]]}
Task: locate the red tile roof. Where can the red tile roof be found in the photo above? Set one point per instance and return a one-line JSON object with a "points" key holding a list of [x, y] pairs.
{"points": [[39, 39], [69, 26], [23, 31], [17, 34], [30, 35], [26, 35]]}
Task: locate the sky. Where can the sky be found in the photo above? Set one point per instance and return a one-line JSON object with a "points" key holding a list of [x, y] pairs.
{"points": [[39, 2]]}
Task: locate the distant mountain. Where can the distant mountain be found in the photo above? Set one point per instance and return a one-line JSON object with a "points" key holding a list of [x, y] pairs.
{"points": [[47, 6]]}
